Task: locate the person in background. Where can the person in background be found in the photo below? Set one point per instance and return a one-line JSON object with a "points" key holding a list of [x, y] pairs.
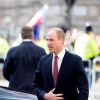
{"points": [[21, 62], [98, 41], [60, 74], [17, 41], [87, 48], [68, 41], [86, 45], [4, 47], [42, 42]]}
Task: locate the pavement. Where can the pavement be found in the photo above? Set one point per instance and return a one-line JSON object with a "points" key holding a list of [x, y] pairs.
{"points": [[95, 91]]}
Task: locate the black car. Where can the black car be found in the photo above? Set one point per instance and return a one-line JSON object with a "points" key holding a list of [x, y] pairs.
{"points": [[7, 94]]}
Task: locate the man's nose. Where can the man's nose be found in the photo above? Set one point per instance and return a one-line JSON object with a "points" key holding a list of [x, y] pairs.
{"points": [[48, 42]]}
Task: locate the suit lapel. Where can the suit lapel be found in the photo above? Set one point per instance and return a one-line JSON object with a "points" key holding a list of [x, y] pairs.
{"points": [[62, 69], [49, 70]]}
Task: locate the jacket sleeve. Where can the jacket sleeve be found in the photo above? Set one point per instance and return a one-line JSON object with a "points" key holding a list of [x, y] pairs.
{"points": [[38, 83], [8, 65], [82, 81]]}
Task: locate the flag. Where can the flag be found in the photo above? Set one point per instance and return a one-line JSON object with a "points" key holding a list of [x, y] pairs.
{"points": [[38, 20]]}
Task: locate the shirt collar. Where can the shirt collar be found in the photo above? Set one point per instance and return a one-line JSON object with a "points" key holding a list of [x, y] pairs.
{"points": [[60, 55], [27, 40]]}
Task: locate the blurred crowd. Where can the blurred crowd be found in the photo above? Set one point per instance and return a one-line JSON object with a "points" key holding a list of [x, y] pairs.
{"points": [[84, 43]]}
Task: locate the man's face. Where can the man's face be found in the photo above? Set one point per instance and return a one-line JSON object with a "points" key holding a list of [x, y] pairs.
{"points": [[54, 44]]}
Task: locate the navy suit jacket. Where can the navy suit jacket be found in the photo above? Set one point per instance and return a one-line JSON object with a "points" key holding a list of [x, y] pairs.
{"points": [[20, 65], [72, 80]]}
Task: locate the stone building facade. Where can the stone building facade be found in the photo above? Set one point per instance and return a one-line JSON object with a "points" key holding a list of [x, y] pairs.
{"points": [[16, 13]]}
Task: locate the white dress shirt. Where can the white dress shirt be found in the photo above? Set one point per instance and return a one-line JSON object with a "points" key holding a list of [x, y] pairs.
{"points": [[60, 58]]}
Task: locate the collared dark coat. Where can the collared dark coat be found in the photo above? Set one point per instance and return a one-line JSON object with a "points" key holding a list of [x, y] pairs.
{"points": [[72, 80], [20, 65]]}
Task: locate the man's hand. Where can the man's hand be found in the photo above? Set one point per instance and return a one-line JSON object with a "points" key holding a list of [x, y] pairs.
{"points": [[51, 96]]}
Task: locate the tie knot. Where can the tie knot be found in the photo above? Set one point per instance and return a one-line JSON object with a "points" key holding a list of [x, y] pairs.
{"points": [[56, 56]]}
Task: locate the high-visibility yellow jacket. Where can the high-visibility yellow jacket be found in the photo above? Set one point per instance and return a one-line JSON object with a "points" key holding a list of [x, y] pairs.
{"points": [[4, 47], [86, 46]]}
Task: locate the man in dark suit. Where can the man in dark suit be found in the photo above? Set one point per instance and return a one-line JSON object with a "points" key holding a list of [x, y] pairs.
{"points": [[70, 83], [21, 62]]}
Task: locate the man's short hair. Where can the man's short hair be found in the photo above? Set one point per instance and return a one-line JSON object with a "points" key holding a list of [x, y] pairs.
{"points": [[60, 32], [27, 32]]}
